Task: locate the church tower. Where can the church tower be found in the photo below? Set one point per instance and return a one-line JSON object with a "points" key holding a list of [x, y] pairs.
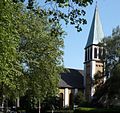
{"points": [[93, 53]]}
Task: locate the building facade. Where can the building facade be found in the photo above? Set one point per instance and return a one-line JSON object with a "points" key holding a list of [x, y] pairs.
{"points": [[71, 81]]}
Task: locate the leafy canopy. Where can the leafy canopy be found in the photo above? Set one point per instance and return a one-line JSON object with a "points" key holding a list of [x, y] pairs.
{"points": [[11, 76], [71, 11], [30, 54], [112, 50]]}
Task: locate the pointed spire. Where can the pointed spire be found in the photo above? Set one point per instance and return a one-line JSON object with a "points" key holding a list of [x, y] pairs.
{"points": [[96, 5], [96, 32]]}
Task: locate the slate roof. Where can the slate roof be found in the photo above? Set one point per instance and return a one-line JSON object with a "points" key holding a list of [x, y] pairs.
{"points": [[96, 32], [71, 78]]}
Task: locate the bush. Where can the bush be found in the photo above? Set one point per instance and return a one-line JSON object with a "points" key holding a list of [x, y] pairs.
{"points": [[79, 98]]}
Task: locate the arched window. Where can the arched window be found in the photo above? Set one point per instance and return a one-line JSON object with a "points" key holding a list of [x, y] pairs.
{"points": [[95, 52]]}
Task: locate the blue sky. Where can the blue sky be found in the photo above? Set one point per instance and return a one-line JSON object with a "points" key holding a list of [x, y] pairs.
{"points": [[75, 42]]}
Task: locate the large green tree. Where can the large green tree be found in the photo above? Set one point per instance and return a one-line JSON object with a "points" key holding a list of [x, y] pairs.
{"points": [[41, 52], [112, 51], [12, 80], [30, 55]]}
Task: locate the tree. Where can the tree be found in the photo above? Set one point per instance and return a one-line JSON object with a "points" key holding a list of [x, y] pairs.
{"points": [[52, 102], [109, 92], [73, 14], [112, 51], [31, 55], [42, 55], [12, 80], [98, 80], [79, 98]]}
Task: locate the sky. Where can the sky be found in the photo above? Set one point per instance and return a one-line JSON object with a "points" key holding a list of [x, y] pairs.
{"points": [[74, 42], [109, 11]]}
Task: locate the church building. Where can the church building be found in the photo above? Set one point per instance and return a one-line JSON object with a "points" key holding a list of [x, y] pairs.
{"points": [[93, 64]]}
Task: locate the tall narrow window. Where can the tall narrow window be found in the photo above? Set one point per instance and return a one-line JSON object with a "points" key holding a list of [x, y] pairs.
{"points": [[91, 53], [100, 53], [85, 55], [95, 52], [88, 54], [71, 100], [61, 100], [104, 52]]}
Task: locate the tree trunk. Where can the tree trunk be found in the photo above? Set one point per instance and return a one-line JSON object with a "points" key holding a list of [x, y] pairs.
{"points": [[2, 97], [39, 106], [18, 102]]}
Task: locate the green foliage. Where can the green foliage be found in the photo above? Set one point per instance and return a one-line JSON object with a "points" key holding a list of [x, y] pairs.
{"points": [[112, 54], [114, 89], [42, 55], [109, 93], [30, 53], [112, 47], [73, 12], [79, 98], [12, 80], [51, 102], [98, 80]]}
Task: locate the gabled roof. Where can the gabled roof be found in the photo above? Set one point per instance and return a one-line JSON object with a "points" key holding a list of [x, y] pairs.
{"points": [[71, 78], [96, 32]]}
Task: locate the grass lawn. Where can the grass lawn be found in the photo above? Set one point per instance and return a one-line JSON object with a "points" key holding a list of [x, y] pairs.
{"points": [[96, 110], [60, 111], [87, 110]]}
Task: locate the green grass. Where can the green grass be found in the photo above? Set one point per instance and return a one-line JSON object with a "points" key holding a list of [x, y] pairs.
{"points": [[60, 111], [96, 110], [87, 110]]}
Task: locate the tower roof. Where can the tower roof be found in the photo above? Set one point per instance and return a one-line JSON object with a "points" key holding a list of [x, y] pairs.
{"points": [[96, 32]]}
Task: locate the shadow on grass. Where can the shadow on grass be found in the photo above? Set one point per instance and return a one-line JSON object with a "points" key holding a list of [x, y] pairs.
{"points": [[96, 110]]}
